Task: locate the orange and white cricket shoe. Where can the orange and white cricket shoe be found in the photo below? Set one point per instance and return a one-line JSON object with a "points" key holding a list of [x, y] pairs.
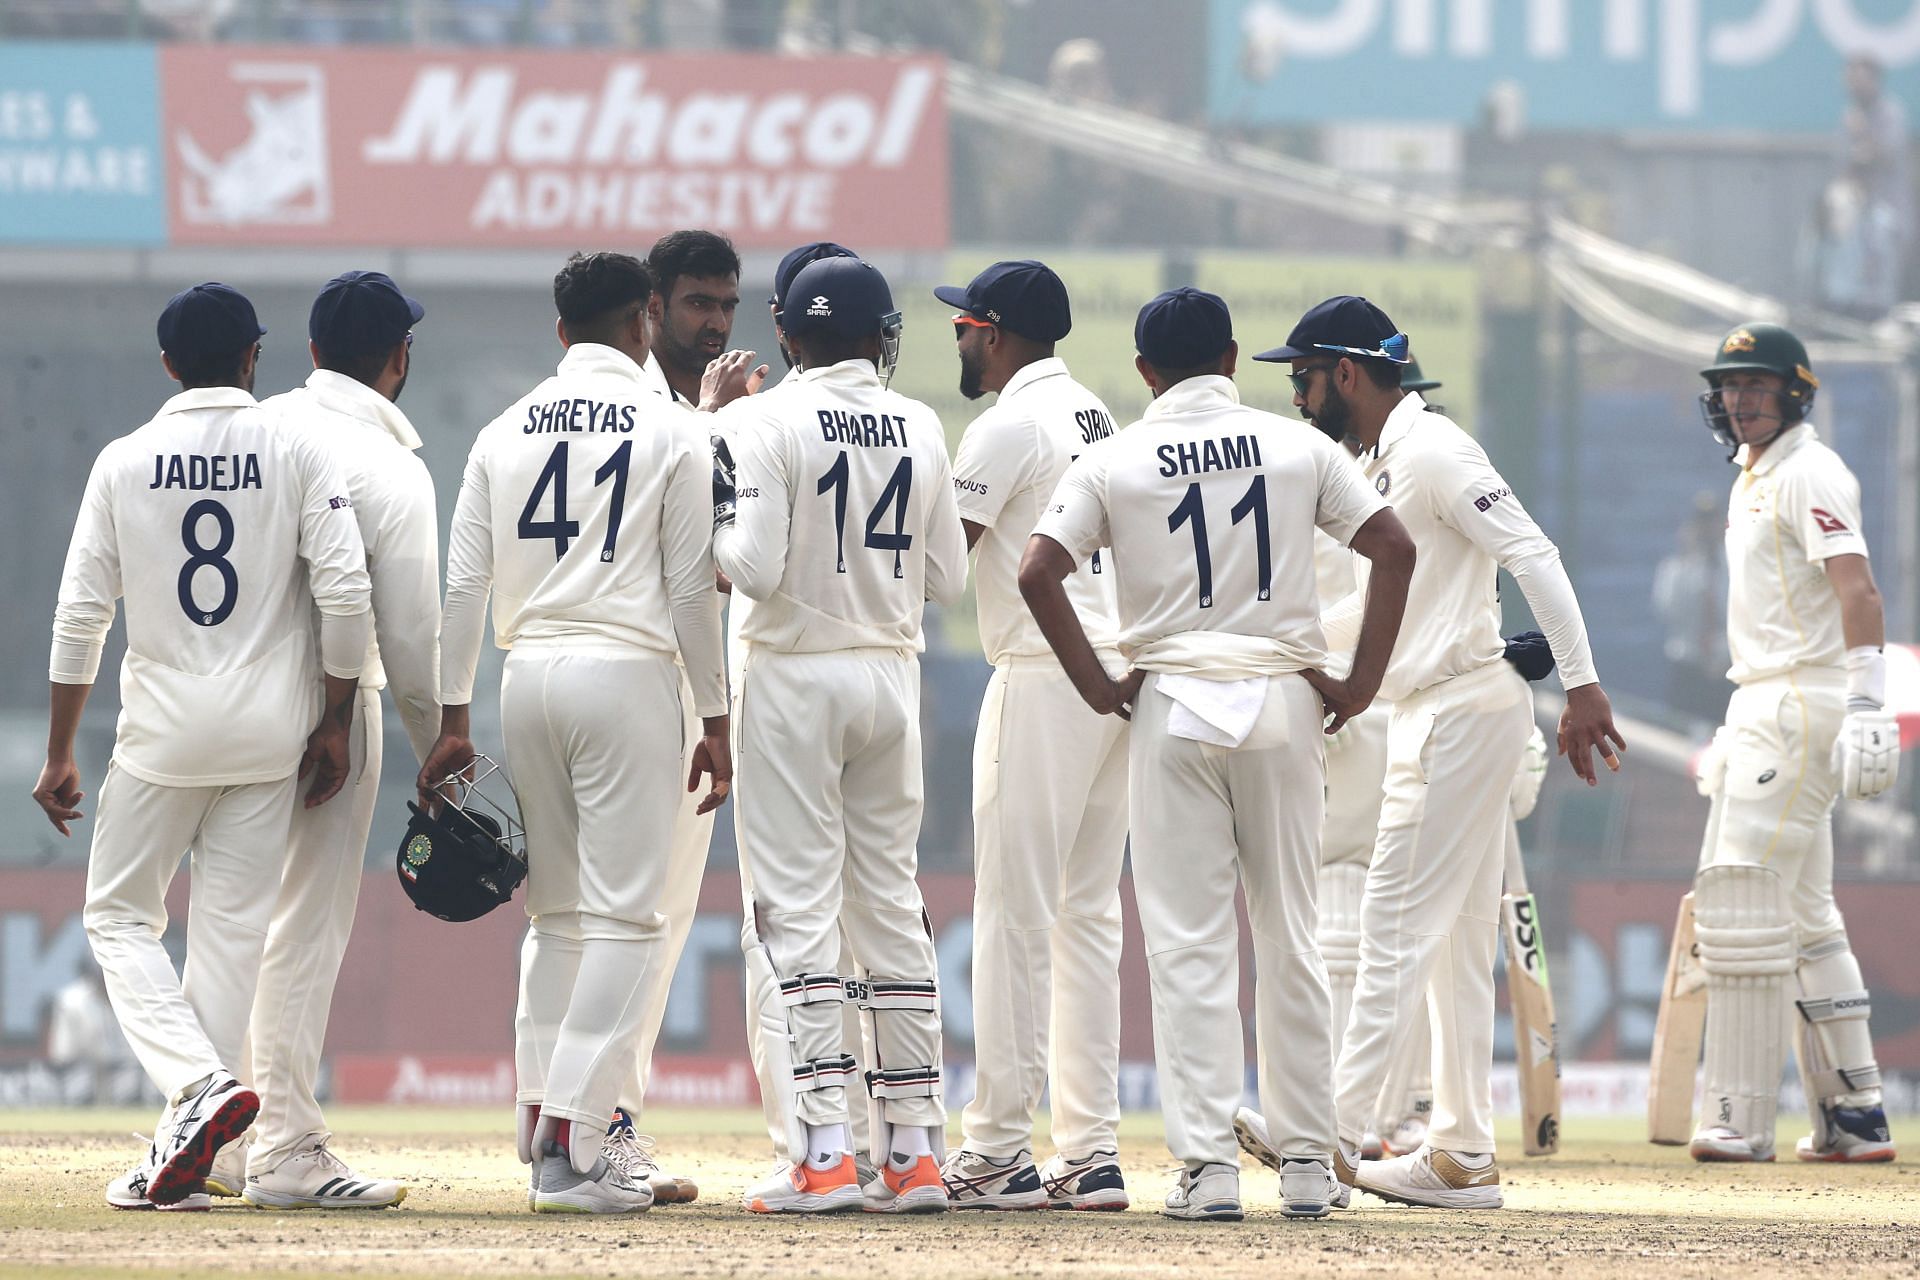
{"points": [[908, 1184], [807, 1188]]}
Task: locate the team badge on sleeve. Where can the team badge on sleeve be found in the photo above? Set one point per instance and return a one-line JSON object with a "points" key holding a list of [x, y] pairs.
{"points": [[1383, 483], [1828, 522]]}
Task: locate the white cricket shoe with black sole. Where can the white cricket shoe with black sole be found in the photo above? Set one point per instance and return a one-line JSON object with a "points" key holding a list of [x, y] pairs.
{"points": [[192, 1132], [1089, 1182], [315, 1178], [976, 1181], [1210, 1193], [560, 1188], [1432, 1179], [1250, 1131]]}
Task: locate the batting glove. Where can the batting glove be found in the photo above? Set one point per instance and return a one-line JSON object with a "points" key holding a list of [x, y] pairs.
{"points": [[723, 492], [1525, 792], [1867, 753], [1710, 766]]}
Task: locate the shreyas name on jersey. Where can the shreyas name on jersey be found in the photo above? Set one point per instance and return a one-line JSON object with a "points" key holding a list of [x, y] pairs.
{"points": [[220, 473], [1229, 453], [578, 414], [869, 430]]}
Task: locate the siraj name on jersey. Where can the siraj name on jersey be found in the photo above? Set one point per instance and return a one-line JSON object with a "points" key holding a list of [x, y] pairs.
{"points": [[221, 472], [869, 430], [1229, 453]]}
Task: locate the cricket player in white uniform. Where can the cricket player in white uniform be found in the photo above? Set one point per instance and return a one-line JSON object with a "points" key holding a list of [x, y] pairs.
{"points": [[585, 513], [846, 526], [1455, 741], [360, 337], [1049, 779], [1807, 725], [1210, 509], [223, 534]]}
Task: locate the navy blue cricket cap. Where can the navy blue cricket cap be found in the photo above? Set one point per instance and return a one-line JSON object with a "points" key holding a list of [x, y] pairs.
{"points": [[844, 296], [1183, 328], [797, 258], [1343, 326], [361, 313], [208, 320], [1022, 296]]}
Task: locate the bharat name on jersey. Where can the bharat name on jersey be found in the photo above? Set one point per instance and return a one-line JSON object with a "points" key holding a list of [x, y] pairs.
{"points": [[1009, 463], [846, 522], [1210, 508]]}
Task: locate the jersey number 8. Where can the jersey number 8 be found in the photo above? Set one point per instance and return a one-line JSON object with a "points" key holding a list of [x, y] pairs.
{"points": [[201, 556]]}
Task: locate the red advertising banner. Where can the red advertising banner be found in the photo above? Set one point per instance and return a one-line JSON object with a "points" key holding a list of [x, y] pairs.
{"points": [[503, 149]]}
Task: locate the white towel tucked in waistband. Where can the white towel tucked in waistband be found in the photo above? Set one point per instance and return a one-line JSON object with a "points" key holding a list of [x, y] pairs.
{"points": [[1219, 712]]}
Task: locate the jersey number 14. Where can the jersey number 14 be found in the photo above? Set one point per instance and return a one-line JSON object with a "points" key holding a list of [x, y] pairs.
{"points": [[893, 502]]}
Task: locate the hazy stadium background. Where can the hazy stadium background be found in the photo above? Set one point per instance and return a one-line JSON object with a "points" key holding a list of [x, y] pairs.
{"points": [[1565, 204]]}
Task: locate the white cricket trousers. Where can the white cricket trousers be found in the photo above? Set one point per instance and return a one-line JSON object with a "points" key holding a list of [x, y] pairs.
{"points": [[829, 821], [1203, 816], [679, 902], [183, 1026], [1049, 838], [594, 744], [312, 920], [1430, 916]]}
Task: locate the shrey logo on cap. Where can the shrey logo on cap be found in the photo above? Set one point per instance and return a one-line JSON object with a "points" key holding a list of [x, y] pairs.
{"points": [[822, 306]]}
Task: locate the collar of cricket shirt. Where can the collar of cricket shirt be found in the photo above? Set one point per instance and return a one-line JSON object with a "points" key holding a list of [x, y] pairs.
{"points": [[1399, 422], [1027, 375], [1783, 445], [597, 358], [357, 400], [855, 372], [210, 398], [1196, 395]]}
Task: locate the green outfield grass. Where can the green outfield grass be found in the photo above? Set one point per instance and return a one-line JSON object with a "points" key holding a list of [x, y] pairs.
{"points": [[1609, 1204]]}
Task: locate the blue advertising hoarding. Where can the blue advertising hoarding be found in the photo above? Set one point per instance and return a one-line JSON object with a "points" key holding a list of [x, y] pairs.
{"points": [[80, 159], [1769, 66]]}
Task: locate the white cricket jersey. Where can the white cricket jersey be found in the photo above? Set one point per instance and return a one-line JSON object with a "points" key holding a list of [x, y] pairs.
{"points": [[587, 511], [655, 379], [1466, 524], [846, 523], [1790, 512], [375, 446], [1334, 579], [1210, 508], [222, 533], [1010, 461]]}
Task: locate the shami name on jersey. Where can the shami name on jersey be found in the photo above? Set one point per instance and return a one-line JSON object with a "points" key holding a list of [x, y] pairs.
{"points": [[221, 472], [1229, 453], [837, 426]]}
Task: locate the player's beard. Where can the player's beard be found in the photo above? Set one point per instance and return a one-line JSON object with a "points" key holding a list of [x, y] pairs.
{"points": [[970, 376], [1335, 416], [685, 355], [398, 387]]}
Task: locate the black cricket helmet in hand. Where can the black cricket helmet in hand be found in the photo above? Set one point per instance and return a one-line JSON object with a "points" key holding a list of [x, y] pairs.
{"points": [[466, 857]]}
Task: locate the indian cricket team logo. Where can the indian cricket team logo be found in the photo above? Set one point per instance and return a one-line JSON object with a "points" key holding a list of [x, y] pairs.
{"points": [[1383, 483], [419, 849], [1738, 343]]}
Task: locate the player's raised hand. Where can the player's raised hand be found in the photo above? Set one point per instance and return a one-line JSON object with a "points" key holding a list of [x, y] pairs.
{"points": [[712, 756], [730, 375], [57, 792], [1586, 722]]}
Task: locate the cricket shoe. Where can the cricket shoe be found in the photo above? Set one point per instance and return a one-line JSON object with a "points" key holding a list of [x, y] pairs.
{"points": [[192, 1133], [129, 1190], [1210, 1193], [315, 1178], [907, 1184], [1371, 1147], [803, 1188], [975, 1181], [1435, 1179], [632, 1153], [560, 1188], [1306, 1188], [1717, 1144], [1410, 1133], [1085, 1182], [1859, 1135], [1250, 1131], [228, 1177]]}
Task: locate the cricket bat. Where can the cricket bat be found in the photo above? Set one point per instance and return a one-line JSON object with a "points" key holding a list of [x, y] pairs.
{"points": [[1536, 1045], [1677, 1037]]}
